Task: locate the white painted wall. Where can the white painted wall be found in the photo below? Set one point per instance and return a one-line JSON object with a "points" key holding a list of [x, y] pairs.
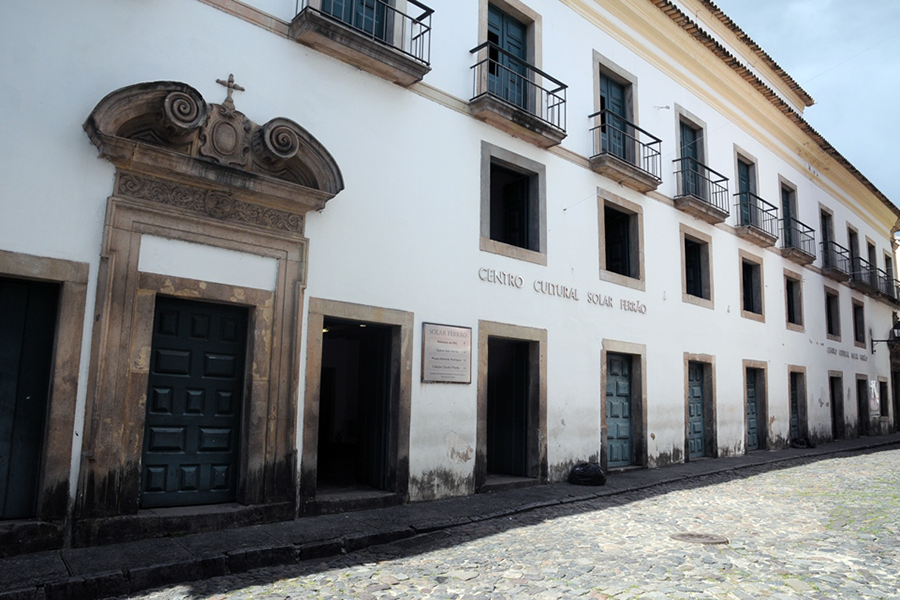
{"points": [[404, 234]]}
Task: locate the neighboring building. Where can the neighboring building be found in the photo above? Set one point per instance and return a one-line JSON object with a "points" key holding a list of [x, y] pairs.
{"points": [[483, 245]]}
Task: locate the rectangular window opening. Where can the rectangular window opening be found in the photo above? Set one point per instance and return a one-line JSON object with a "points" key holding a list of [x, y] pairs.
{"points": [[859, 324], [511, 211], [752, 288], [832, 315], [619, 250], [696, 268], [793, 299]]}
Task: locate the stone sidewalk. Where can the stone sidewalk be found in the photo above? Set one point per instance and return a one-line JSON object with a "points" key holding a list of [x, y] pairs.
{"points": [[87, 573]]}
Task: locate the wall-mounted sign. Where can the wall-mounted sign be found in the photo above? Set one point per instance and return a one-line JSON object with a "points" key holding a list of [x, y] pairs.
{"points": [[446, 354]]}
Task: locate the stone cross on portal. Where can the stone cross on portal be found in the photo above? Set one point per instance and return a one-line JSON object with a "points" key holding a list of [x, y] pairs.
{"points": [[231, 85]]}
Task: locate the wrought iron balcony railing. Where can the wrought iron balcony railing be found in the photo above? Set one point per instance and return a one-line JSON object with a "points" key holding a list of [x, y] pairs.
{"points": [[408, 32], [863, 272], [753, 211], [515, 82], [835, 256], [798, 236], [611, 134], [699, 181], [887, 285]]}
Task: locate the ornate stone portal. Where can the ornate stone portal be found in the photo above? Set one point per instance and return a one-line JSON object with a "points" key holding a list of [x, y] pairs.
{"points": [[206, 174]]}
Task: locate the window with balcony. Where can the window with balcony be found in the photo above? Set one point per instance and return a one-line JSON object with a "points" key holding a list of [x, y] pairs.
{"points": [[798, 240], [509, 90], [513, 205], [621, 240], [621, 150], [832, 315], [701, 191], [836, 260], [757, 220], [793, 298], [696, 261], [386, 38], [752, 305]]}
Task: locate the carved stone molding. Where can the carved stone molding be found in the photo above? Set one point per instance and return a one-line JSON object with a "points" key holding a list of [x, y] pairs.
{"points": [[167, 129], [220, 205]]}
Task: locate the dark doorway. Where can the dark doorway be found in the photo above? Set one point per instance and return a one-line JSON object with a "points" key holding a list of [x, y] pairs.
{"points": [[798, 395], [28, 312], [895, 394], [756, 410], [354, 407], [508, 419], [836, 396], [194, 403], [619, 425], [862, 404]]}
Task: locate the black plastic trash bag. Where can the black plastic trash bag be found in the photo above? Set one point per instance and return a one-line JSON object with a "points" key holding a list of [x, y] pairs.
{"points": [[587, 474]]}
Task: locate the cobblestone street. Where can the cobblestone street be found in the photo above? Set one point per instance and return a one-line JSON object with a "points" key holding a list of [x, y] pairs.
{"points": [[812, 529]]}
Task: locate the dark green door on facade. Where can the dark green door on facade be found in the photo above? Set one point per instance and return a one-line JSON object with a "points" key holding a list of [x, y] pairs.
{"points": [[692, 182], [746, 212], [507, 75], [619, 426], [366, 15], [27, 328], [696, 427], [614, 131], [795, 406], [752, 411], [194, 399]]}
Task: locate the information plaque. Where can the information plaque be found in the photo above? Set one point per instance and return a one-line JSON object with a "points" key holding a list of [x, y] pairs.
{"points": [[446, 354]]}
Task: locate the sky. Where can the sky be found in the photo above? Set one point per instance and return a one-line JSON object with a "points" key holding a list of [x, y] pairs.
{"points": [[846, 55]]}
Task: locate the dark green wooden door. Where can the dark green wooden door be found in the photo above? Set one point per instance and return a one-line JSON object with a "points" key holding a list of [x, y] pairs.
{"points": [[692, 182], [696, 427], [795, 406], [614, 129], [194, 398], [619, 431], [745, 201], [836, 396], [787, 214], [27, 328], [752, 412], [366, 15], [507, 74]]}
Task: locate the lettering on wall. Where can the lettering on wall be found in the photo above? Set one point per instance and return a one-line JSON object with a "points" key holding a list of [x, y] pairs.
{"points": [[446, 354], [847, 354], [560, 290]]}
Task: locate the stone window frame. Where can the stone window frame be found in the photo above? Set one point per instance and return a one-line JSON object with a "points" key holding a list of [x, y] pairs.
{"points": [[833, 293], [401, 323], [52, 497], [859, 325], [638, 353], [706, 259], [745, 257], [120, 369], [538, 466], [524, 14], [797, 279], [741, 155], [636, 225], [537, 198], [606, 66], [683, 115], [853, 232], [884, 399], [762, 419], [710, 417]]}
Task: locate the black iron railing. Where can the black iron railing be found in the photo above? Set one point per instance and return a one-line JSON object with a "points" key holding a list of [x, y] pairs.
{"points": [[699, 181], [753, 211], [512, 80], [863, 272], [835, 256], [614, 135], [798, 236], [382, 22], [887, 285]]}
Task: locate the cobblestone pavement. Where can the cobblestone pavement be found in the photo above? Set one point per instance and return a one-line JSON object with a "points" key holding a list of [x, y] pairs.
{"points": [[814, 529]]}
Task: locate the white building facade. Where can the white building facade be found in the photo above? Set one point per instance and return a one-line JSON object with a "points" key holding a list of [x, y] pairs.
{"points": [[265, 260]]}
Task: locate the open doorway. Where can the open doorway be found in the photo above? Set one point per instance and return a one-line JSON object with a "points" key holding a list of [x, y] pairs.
{"points": [[354, 407]]}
